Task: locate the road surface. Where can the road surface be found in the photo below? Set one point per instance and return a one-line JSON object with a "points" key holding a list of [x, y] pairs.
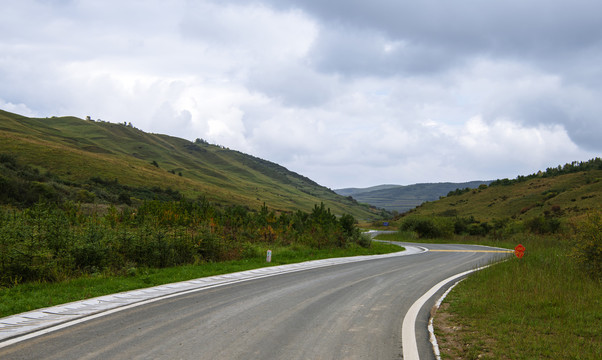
{"points": [[346, 311]]}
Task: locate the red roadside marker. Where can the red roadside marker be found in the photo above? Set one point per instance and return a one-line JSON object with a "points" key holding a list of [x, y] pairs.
{"points": [[519, 251]]}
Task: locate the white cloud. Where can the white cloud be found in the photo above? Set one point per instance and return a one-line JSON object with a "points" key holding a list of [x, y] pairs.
{"points": [[20, 109], [250, 30]]}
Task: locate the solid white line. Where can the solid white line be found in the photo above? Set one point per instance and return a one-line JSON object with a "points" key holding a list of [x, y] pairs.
{"points": [[408, 328]]}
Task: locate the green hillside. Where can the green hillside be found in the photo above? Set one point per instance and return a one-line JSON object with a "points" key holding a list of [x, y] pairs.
{"points": [[77, 156], [403, 198], [563, 192]]}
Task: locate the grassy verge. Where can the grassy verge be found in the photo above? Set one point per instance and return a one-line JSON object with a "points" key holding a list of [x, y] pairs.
{"points": [[30, 296], [537, 307]]}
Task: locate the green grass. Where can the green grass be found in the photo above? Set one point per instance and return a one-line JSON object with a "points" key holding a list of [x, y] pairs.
{"points": [[397, 236], [538, 307], [30, 296]]}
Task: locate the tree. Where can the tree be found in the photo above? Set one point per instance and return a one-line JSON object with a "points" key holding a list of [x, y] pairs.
{"points": [[348, 224]]}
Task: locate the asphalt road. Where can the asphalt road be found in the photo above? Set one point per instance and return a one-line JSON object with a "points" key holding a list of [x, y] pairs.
{"points": [[346, 311]]}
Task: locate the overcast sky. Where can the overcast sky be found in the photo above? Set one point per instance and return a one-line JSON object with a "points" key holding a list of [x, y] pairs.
{"points": [[349, 93]]}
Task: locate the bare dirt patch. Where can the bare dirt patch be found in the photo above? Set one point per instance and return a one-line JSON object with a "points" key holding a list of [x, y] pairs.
{"points": [[455, 339]]}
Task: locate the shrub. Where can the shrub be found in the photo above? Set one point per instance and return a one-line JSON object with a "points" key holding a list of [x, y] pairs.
{"points": [[480, 229], [429, 227], [363, 240], [251, 251], [588, 244], [124, 198], [543, 225], [463, 225]]}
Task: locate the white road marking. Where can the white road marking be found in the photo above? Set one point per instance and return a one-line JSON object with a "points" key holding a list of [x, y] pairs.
{"points": [[408, 327]]}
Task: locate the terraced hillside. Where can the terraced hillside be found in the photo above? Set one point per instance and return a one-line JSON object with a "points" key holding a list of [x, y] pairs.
{"points": [[78, 151]]}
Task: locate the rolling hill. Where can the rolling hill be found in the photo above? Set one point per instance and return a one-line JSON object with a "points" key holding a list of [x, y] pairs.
{"points": [[564, 192], [81, 154], [403, 198]]}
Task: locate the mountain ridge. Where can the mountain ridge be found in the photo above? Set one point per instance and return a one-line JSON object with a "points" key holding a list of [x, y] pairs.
{"points": [[402, 198]]}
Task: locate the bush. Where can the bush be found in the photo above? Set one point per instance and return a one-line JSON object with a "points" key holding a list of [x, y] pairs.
{"points": [[543, 225], [478, 229], [251, 251], [363, 240], [429, 227], [124, 198], [588, 244]]}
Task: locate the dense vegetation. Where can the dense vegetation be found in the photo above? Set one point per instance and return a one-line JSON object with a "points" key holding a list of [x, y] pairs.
{"points": [[48, 242]]}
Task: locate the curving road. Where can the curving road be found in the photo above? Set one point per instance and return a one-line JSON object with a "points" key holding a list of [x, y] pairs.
{"points": [[345, 311]]}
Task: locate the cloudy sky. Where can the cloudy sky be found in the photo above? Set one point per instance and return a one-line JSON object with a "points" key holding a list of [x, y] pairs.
{"points": [[349, 93]]}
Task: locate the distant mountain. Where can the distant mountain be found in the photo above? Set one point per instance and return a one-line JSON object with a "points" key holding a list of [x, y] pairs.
{"points": [[98, 162], [402, 198], [355, 191]]}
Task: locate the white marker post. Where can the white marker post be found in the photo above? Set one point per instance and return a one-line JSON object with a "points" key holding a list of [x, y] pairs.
{"points": [[269, 257]]}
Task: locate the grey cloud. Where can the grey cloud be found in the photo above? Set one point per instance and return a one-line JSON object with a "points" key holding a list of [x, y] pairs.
{"points": [[582, 125], [479, 23], [541, 31], [534, 98], [293, 85], [357, 52]]}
